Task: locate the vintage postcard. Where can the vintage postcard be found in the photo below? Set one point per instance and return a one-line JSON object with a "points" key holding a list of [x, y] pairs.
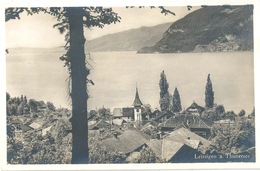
{"points": [[146, 87]]}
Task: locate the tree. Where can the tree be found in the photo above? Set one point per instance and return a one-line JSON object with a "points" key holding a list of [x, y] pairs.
{"points": [[7, 97], [209, 93], [242, 113], [147, 111], [33, 105], [21, 107], [50, 106], [71, 21], [25, 99], [215, 113], [253, 113], [176, 101], [146, 156], [164, 93]]}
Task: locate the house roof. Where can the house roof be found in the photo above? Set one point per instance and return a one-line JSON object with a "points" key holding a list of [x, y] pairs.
{"points": [[164, 113], [137, 102], [128, 112], [118, 121], [41, 104], [91, 123], [190, 120], [126, 142], [194, 105], [156, 146], [170, 148], [100, 124], [149, 124], [35, 125], [133, 156], [16, 121], [45, 130], [187, 137], [25, 128], [117, 112], [166, 148]]}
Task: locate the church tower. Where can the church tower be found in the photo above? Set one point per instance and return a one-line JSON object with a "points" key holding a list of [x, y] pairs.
{"points": [[137, 107]]}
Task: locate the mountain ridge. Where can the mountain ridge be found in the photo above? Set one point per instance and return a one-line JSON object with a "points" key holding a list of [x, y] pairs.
{"points": [[209, 29], [129, 40]]}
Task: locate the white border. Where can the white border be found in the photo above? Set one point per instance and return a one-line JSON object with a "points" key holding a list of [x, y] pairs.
{"points": [[189, 166]]}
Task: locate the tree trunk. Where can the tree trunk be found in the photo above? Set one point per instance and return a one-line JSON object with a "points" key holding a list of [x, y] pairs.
{"points": [[79, 74]]}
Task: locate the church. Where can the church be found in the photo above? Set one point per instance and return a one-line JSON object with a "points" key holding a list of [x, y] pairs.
{"points": [[133, 113]]}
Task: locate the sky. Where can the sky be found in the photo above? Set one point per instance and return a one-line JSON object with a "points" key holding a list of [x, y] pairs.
{"points": [[37, 30]]}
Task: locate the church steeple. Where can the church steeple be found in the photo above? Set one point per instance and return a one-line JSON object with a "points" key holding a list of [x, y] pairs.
{"points": [[137, 101]]}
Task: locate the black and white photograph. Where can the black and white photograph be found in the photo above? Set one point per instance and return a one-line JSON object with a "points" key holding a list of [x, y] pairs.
{"points": [[130, 85]]}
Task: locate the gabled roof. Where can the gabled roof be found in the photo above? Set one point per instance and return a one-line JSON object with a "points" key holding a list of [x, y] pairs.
{"points": [[128, 112], [164, 148], [25, 128], [190, 120], [118, 121], [169, 146], [194, 105], [35, 125], [41, 104], [127, 142], [91, 123], [117, 112], [45, 130], [164, 113], [156, 146], [137, 101], [150, 124], [99, 125], [187, 137]]}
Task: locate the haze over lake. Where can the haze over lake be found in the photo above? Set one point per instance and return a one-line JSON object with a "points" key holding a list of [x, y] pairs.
{"points": [[42, 76]]}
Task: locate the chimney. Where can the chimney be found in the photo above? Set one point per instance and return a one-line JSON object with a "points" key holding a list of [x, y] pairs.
{"points": [[115, 135], [159, 135]]}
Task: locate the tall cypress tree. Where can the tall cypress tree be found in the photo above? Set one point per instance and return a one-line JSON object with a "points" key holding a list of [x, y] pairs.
{"points": [[164, 93], [176, 101], [209, 93]]}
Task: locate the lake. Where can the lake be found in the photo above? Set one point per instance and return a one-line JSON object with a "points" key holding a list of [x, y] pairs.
{"points": [[42, 76]]}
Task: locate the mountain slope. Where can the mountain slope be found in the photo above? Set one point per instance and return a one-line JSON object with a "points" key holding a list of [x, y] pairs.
{"points": [[130, 40], [209, 29]]}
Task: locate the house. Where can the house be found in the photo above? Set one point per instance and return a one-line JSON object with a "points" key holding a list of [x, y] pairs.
{"points": [[100, 125], [117, 113], [45, 130], [35, 126], [119, 122], [16, 122], [25, 128], [192, 122], [41, 106], [134, 113], [179, 146], [126, 143], [154, 114], [128, 114], [149, 125], [163, 116], [195, 109]]}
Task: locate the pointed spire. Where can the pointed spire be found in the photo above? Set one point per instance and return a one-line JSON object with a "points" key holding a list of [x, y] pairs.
{"points": [[137, 101]]}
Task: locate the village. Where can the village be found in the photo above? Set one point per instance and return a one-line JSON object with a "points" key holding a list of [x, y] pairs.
{"points": [[136, 134]]}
